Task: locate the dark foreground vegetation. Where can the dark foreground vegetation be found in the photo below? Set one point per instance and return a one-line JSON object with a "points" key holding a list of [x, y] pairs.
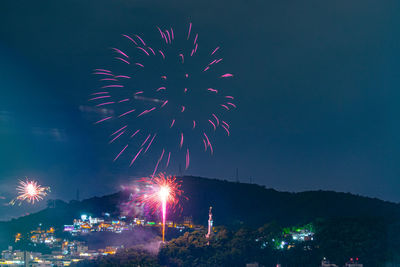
{"points": [[371, 240]]}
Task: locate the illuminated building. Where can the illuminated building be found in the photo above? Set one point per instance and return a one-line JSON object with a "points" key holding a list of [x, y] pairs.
{"points": [[188, 221]]}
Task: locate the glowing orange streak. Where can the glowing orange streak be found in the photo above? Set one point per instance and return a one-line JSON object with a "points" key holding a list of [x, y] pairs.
{"points": [[164, 213]]}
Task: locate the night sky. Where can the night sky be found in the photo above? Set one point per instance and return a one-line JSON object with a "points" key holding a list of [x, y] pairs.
{"points": [[317, 85]]}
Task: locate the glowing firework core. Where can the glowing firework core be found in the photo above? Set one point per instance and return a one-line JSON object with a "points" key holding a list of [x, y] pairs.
{"points": [[31, 190], [164, 193]]}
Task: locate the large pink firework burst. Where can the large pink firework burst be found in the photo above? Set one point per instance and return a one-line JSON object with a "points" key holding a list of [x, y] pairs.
{"points": [[170, 92], [30, 191]]}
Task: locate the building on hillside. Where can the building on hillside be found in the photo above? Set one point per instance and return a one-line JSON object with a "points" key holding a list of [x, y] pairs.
{"points": [[326, 263], [353, 262], [7, 254], [188, 221]]}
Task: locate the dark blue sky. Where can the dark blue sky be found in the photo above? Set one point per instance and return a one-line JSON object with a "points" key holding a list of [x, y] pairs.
{"points": [[317, 84]]}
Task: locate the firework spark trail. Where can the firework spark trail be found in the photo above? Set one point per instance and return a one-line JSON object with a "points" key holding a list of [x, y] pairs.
{"points": [[169, 156], [119, 154], [152, 51], [123, 114], [103, 73], [100, 93], [165, 102], [107, 103], [225, 106], [146, 111], [213, 124], [107, 118], [190, 28], [161, 33], [216, 118], [137, 36], [116, 137], [195, 39], [162, 53], [231, 104], [146, 140], [123, 76], [120, 129], [130, 38], [99, 97], [120, 52], [205, 145], [112, 85], [158, 162], [215, 50], [141, 48], [102, 70], [120, 95], [211, 148], [133, 160], [29, 191], [181, 143], [187, 159], [123, 60], [226, 124], [135, 133], [226, 129], [164, 192], [209, 143], [169, 37], [147, 148]]}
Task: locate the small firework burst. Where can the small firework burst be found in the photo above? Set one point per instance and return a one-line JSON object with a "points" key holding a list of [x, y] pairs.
{"points": [[160, 189], [30, 191], [159, 192]]}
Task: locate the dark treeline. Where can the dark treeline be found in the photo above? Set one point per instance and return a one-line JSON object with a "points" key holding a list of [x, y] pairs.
{"points": [[372, 240]]}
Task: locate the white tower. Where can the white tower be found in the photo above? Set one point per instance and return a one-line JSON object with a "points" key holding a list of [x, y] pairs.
{"points": [[210, 224]]}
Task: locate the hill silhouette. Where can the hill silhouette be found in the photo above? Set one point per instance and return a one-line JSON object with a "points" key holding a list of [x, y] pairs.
{"points": [[234, 204]]}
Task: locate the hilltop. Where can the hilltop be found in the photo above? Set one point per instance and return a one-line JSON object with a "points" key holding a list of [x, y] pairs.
{"points": [[234, 204]]}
